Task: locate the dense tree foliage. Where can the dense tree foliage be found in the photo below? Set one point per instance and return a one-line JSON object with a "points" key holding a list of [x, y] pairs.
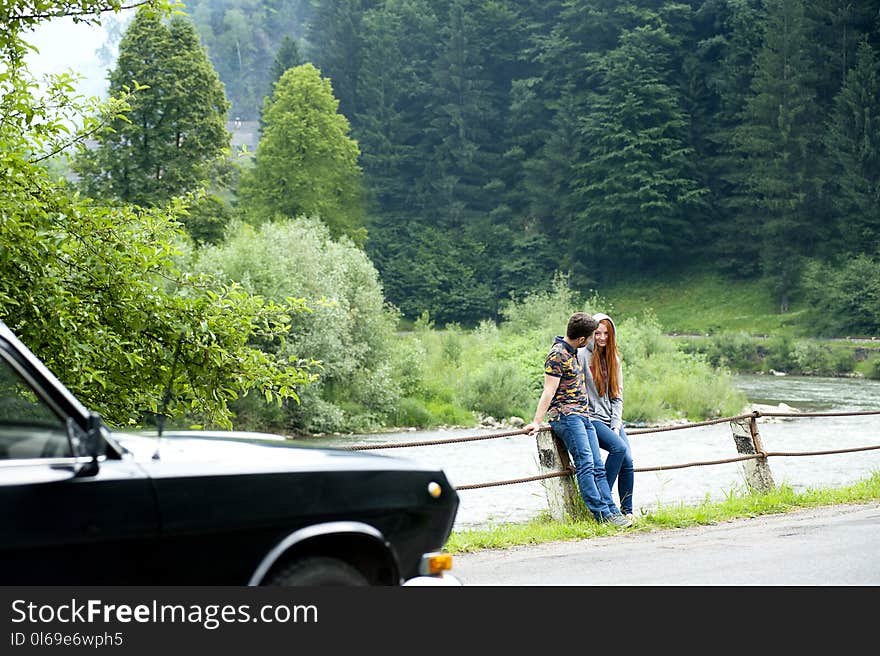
{"points": [[502, 141], [306, 163], [781, 138], [853, 143], [844, 298], [104, 294], [349, 332], [170, 141], [633, 181], [244, 38]]}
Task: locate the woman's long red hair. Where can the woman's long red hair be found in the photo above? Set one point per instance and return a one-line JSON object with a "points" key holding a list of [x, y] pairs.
{"points": [[610, 357]]}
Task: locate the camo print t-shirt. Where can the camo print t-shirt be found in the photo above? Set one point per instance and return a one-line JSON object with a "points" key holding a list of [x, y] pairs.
{"points": [[571, 395]]}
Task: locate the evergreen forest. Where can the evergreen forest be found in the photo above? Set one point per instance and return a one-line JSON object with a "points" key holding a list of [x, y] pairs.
{"points": [[437, 185], [503, 140]]}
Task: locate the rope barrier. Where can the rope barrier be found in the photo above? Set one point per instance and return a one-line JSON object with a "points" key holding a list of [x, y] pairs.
{"points": [[751, 456], [722, 461], [636, 431], [527, 479], [795, 415], [451, 440], [822, 453], [570, 470], [696, 424]]}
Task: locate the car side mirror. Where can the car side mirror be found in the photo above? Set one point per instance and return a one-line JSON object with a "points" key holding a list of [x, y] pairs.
{"points": [[87, 443]]}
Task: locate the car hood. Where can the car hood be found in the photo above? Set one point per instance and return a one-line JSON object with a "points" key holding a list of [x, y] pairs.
{"points": [[241, 452]]}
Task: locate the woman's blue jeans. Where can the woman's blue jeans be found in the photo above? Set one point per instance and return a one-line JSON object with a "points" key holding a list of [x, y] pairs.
{"points": [[618, 464], [579, 437]]}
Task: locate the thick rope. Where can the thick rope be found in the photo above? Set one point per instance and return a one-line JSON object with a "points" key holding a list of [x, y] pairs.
{"points": [[570, 470], [750, 456], [450, 440], [556, 474], [794, 415], [695, 424], [636, 431]]}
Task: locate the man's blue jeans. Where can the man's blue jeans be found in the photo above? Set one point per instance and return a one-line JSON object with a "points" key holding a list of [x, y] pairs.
{"points": [[579, 437], [618, 464]]}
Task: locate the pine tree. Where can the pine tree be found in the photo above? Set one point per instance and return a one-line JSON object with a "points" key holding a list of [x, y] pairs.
{"points": [[288, 56], [336, 25], [781, 145], [726, 49], [633, 189], [840, 25], [399, 45], [176, 133], [853, 139]]}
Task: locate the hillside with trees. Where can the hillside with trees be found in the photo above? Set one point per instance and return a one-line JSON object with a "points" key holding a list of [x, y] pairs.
{"points": [[503, 141], [469, 170]]}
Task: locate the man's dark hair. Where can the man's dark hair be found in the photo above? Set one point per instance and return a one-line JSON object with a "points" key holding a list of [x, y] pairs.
{"points": [[580, 325]]}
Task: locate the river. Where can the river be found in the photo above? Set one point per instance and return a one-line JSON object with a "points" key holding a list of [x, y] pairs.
{"points": [[516, 456]]}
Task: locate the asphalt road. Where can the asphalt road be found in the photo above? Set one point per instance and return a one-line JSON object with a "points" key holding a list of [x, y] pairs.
{"points": [[833, 545]]}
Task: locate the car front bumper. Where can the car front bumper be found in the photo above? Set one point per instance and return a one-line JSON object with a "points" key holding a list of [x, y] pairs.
{"points": [[440, 579]]}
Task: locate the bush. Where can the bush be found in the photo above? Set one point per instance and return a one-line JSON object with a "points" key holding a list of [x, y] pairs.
{"points": [[500, 389], [779, 353], [412, 412], [350, 330], [844, 298], [664, 382], [874, 369], [816, 359], [734, 350]]}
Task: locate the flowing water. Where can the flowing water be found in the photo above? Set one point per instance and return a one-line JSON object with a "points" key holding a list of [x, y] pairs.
{"points": [[516, 456]]}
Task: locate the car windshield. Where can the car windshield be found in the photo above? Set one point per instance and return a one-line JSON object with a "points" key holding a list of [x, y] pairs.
{"points": [[29, 428]]}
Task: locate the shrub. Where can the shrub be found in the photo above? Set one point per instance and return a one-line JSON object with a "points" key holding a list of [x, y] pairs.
{"points": [[779, 353], [350, 330], [411, 412], [736, 350], [844, 298], [812, 358], [662, 381], [500, 389], [874, 369]]}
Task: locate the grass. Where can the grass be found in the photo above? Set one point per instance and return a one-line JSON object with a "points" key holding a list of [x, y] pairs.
{"points": [[737, 505], [704, 303]]}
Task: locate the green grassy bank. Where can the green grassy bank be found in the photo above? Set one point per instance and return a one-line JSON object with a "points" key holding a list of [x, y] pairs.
{"points": [[706, 303], [781, 499], [736, 325]]}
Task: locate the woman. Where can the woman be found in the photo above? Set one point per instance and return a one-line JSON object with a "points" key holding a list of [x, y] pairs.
{"points": [[605, 389]]}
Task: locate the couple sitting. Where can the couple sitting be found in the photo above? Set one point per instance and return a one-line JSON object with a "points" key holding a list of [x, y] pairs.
{"points": [[583, 401]]}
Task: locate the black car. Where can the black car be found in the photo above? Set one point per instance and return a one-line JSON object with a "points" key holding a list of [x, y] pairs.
{"points": [[81, 504]]}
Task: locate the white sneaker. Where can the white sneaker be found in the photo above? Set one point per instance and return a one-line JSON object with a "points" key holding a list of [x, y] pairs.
{"points": [[620, 521]]}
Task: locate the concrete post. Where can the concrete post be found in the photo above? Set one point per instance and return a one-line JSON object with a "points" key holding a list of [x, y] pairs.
{"points": [[563, 498], [748, 441]]}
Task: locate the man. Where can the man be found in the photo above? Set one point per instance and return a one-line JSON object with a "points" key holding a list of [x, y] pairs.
{"points": [[566, 404]]}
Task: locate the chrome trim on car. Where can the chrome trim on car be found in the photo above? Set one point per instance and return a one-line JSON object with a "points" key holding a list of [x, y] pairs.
{"points": [[67, 461], [307, 533]]}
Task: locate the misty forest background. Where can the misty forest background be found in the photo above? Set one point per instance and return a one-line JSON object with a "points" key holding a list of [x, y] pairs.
{"points": [[436, 186]]}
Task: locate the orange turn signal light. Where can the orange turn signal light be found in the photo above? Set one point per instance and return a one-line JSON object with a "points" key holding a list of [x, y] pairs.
{"points": [[435, 563]]}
